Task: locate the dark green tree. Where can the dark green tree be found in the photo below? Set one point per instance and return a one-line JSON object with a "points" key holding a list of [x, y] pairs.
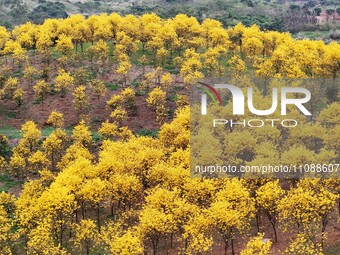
{"points": [[317, 11]]}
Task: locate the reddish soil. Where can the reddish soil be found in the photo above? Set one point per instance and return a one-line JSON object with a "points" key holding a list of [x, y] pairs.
{"points": [[39, 113]]}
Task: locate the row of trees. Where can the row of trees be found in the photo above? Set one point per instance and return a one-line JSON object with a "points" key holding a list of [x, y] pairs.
{"points": [[179, 45], [171, 40]]}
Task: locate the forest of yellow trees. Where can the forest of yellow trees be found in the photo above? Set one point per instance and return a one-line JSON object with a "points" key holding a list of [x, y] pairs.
{"points": [[124, 193]]}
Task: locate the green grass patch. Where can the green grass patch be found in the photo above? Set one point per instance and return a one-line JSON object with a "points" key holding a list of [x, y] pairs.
{"points": [[177, 88], [47, 131], [55, 54], [36, 101], [7, 183], [112, 86], [141, 93], [135, 83], [13, 133], [173, 98], [315, 35], [96, 137], [10, 132], [148, 132], [8, 114]]}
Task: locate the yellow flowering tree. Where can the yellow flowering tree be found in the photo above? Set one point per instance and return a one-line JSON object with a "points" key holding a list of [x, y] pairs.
{"points": [[157, 102], [63, 82]]}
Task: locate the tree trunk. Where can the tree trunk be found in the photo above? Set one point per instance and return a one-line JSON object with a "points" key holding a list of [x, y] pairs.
{"points": [[87, 249], [154, 245], [257, 217], [273, 223], [83, 210], [232, 246], [323, 230], [53, 162], [112, 205], [275, 232], [226, 239], [171, 239], [225, 249], [98, 217]]}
